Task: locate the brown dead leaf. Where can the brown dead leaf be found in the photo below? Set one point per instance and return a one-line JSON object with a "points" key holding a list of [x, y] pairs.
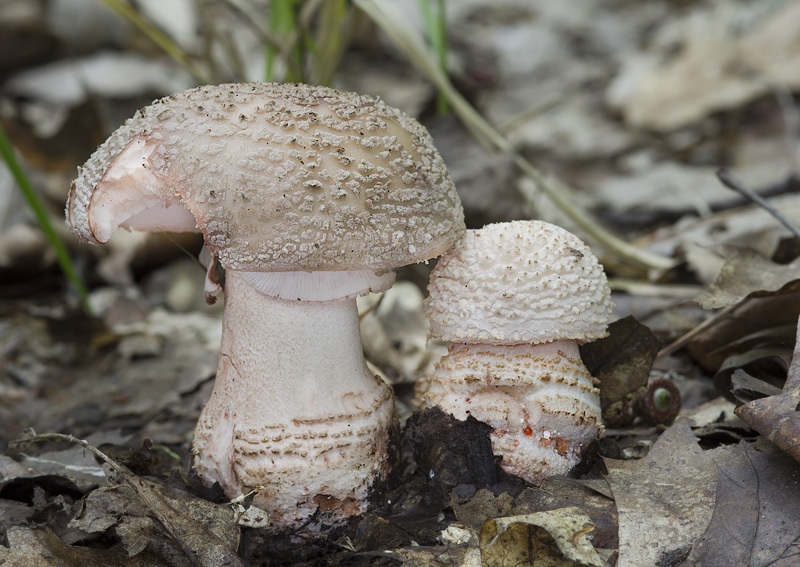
{"points": [[747, 272], [119, 507], [755, 520], [776, 417], [764, 356], [664, 500], [41, 548], [746, 388], [724, 334], [557, 537], [206, 537], [621, 361]]}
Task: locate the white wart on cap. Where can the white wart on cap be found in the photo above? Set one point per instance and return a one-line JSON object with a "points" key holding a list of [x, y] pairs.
{"points": [[518, 282]]}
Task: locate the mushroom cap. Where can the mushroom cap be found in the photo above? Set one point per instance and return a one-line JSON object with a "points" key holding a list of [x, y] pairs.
{"points": [[540, 401], [518, 282], [277, 177]]}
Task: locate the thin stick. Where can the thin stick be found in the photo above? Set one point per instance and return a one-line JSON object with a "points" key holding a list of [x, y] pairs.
{"points": [[727, 179]]}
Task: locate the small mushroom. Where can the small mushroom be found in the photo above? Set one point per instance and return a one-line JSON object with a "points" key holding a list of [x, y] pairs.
{"points": [[307, 197], [515, 300]]}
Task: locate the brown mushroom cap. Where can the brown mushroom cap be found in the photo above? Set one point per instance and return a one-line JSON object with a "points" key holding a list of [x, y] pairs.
{"points": [[276, 177], [518, 282]]}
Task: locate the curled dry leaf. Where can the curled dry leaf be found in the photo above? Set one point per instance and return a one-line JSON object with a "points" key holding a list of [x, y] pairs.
{"points": [[776, 417], [747, 272], [558, 537], [622, 360], [42, 548], [178, 513], [720, 336]]}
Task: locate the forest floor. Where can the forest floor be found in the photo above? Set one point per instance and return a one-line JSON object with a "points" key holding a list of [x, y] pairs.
{"points": [[628, 110]]}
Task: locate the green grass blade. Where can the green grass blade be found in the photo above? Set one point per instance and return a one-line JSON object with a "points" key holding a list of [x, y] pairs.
{"points": [[39, 211], [436, 27]]}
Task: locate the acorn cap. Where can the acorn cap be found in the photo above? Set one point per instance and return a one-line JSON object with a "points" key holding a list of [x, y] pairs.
{"points": [[518, 282], [277, 177]]}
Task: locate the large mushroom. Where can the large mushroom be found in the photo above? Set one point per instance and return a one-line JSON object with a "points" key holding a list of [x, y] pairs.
{"points": [[514, 300], [307, 197]]}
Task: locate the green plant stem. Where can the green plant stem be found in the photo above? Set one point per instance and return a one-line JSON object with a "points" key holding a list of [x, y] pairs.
{"points": [[436, 26], [128, 13], [383, 13], [284, 25], [40, 212], [334, 31]]}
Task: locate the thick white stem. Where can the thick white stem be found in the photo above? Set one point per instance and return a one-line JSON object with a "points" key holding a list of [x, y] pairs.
{"points": [[294, 408]]}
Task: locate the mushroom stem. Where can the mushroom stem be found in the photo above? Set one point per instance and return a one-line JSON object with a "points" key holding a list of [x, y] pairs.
{"points": [[294, 408]]}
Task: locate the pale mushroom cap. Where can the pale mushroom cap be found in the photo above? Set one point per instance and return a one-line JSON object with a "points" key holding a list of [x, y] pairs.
{"points": [[276, 177], [518, 282], [540, 401]]}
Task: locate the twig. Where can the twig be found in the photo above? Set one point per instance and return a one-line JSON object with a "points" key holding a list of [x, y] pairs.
{"points": [[791, 120], [645, 289], [727, 179]]}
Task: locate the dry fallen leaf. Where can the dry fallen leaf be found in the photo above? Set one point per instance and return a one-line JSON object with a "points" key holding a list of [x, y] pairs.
{"points": [[42, 548], [664, 500], [423, 556], [558, 537], [776, 417], [755, 520], [725, 333], [119, 507], [747, 272], [713, 58], [622, 360], [189, 521]]}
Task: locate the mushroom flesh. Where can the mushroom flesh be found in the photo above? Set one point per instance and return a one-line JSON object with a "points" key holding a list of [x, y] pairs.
{"points": [[307, 197], [514, 300]]}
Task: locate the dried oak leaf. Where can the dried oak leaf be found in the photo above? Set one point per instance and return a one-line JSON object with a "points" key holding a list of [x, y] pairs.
{"points": [[776, 417], [755, 520], [757, 320], [622, 360], [664, 500], [557, 537], [42, 548], [746, 273]]}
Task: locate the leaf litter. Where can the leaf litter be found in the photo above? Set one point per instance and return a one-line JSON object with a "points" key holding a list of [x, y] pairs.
{"points": [[203, 532]]}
